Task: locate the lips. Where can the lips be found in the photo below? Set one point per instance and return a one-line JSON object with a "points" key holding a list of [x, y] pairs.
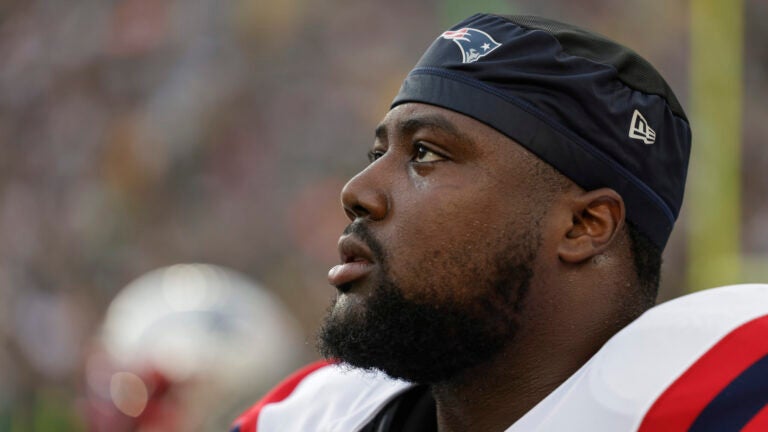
{"points": [[356, 262]]}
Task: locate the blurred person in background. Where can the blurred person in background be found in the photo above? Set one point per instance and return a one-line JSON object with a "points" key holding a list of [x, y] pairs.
{"points": [[504, 251], [176, 346]]}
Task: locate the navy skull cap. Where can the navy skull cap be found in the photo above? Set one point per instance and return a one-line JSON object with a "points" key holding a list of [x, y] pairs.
{"points": [[591, 108]]}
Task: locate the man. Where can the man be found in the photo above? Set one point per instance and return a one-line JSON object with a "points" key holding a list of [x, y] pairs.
{"points": [[509, 225]]}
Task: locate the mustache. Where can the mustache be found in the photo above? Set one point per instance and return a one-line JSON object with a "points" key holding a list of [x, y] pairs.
{"points": [[364, 234]]}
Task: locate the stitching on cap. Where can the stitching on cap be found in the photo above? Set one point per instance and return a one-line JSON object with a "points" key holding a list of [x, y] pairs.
{"points": [[667, 95]]}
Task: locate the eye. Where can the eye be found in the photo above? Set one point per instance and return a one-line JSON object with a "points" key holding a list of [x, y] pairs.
{"points": [[424, 154], [374, 155]]}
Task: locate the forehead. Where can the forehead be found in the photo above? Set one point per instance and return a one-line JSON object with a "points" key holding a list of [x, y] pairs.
{"points": [[408, 118]]}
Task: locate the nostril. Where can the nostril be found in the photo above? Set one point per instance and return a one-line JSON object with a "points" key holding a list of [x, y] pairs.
{"points": [[356, 211], [360, 211], [350, 214]]}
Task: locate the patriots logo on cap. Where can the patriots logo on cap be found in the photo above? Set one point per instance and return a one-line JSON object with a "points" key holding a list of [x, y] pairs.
{"points": [[474, 44]]}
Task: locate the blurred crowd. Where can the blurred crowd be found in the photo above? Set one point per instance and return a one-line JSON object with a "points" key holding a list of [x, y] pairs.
{"points": [[140, 134]]}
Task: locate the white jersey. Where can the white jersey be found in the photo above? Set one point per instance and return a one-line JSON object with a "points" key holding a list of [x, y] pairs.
{"points": [[696, 363]]}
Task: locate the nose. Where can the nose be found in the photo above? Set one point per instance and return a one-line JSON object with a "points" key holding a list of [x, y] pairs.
{"points": [[363, 197]]}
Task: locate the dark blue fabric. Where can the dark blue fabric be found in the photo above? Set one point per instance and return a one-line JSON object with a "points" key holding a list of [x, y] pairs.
{"points": [[738, 403], [572, 112]]}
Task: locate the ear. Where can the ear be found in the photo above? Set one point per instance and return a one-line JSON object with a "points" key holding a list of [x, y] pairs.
{"points": [[597, 217]]}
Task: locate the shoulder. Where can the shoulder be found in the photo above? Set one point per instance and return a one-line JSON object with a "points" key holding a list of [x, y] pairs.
{"points": [[320, 396], [684, 362], [717, 378]]}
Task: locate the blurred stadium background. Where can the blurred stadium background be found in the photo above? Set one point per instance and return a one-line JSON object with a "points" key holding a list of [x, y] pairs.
{"points": [[140, 134]]}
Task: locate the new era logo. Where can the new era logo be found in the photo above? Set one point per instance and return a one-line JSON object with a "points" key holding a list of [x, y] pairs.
{"points": [[639, 129]]}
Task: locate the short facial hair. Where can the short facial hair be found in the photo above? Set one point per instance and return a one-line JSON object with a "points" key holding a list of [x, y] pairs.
{"points": [[430, 342]]}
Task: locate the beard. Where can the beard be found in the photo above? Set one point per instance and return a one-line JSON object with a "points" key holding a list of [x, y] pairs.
{"points": [[432, 340]]}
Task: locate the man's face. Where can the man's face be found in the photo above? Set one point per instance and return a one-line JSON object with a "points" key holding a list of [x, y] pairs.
{"points": [[440, 250]]}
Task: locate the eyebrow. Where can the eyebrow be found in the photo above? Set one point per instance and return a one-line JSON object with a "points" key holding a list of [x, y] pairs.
{"points": [[434, 122]]}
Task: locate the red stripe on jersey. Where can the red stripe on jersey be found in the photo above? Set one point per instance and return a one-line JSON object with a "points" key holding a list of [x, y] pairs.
{"points": [[759, 422], [248, 420], [677, 408]]}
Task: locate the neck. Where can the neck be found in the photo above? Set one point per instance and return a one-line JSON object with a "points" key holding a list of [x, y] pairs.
{"points": [[492, 396], [555, 338]]}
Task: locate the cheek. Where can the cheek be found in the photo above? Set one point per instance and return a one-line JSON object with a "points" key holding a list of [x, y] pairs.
{"points": [[443, 249], [439, 274], [445, 228]]}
